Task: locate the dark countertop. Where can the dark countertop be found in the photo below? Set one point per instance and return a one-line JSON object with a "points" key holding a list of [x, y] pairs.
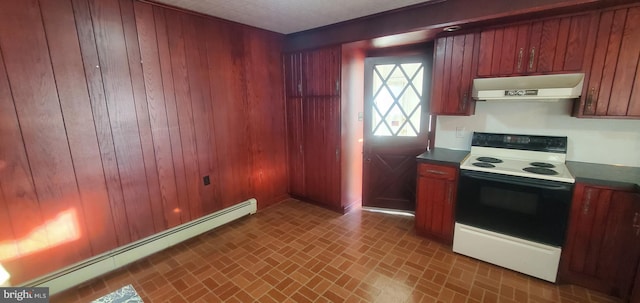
{"points": [[444, 156], [620, 177]]}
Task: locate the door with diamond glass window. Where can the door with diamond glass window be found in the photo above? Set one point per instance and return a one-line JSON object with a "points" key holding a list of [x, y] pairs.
{"points": [[396, 129]]}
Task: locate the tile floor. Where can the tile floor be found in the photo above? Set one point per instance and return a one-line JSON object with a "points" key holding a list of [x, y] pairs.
{"points": [[297, 252]]}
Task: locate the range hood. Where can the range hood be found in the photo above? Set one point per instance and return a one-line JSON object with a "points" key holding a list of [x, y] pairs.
{"points": [[542, 88]]}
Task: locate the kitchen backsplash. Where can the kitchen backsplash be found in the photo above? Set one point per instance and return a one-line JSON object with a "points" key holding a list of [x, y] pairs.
{"points": [[606, 141]]}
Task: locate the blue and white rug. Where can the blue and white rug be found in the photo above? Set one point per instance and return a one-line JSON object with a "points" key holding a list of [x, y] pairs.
{"points": [[123, 295]]}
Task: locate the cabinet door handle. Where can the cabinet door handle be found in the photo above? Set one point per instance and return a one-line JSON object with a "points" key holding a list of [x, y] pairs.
{"points": [[300, 88], [436, 172], [300, 148], [337, 87], [450, 195], [337, 154], [589, 103], [520, 54], [532, 55], [463, 104], [587, 203]]}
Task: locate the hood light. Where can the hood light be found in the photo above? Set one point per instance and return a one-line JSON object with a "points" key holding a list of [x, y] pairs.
{"points": [[452, 28]]}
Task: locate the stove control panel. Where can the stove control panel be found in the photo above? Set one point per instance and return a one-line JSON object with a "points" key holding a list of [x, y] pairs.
{"points": [[523, 142]]}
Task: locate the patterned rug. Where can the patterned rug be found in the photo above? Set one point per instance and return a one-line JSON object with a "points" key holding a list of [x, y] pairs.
{"points": [[123, 295]]}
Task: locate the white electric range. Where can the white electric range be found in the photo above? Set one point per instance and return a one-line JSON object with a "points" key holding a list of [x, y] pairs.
{"points": [[512, 208]]}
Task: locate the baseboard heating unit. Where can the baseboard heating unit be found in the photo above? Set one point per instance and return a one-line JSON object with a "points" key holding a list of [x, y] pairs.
{"points": [[121, 256]]}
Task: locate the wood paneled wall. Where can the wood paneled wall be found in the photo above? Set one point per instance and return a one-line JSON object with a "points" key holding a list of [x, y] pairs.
{"points": [[111, 114]]}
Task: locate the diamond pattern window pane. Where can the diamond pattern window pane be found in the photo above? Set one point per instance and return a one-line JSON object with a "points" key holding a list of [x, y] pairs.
{"points": [[407, 131], [397, 91]]}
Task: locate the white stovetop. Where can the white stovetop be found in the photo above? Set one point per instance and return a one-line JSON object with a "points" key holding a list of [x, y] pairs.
{"points": [[515, 160]]}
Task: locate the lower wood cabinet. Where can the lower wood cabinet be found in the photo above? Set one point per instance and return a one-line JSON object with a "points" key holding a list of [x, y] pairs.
{"points": [[635, 295], [602, 247], [435, 201]]}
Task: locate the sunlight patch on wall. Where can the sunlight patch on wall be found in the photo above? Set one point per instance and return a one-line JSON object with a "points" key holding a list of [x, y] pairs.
{"points": [[55, 232]]}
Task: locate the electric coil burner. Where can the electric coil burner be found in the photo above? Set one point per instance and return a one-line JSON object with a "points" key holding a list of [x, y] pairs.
{"points": [[540, 170], [512, 206], [489, 160]]}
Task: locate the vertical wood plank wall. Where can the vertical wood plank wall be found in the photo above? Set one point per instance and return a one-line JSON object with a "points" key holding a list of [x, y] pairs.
{"points": [[111, 114]]}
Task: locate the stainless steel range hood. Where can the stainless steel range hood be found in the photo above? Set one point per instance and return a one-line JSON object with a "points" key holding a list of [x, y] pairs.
{"points": [[541, 88]]}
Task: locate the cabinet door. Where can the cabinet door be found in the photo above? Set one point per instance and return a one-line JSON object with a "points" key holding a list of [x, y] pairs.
{"points": [[635, 295], [293, 74], [503, 51], [454, 67], [602, 240], [322, 72], [321, 124], [552, 45], [295, 141], [613, 84], [435, 202]]}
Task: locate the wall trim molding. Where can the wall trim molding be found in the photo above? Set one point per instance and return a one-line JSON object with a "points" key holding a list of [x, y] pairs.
{"points": [[99, 265]]}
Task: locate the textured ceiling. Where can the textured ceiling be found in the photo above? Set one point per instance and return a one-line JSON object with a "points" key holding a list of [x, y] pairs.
{"points": [[290, 16]]}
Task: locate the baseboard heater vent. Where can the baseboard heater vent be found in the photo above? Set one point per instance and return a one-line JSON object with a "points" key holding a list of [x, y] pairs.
{"points": [[96, 266]]}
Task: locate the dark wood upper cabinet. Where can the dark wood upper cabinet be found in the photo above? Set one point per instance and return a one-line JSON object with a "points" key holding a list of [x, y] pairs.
{"points": [[612, 85], [603, 245], [454, 67], [546, 46], [313, 73], [293, 74], [321, 77]]}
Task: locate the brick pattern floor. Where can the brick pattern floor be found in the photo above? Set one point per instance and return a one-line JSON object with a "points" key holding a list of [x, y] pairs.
{"points": [[297, 252]]}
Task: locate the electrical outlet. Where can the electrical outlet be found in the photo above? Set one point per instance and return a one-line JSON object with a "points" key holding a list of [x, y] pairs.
{"points": [[206, 180], [459, 132]]}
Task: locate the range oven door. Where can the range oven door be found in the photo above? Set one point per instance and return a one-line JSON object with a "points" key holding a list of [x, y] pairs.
{"points": [[531, 209]]}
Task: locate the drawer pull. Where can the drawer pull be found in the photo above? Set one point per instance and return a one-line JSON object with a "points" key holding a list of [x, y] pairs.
{"points": [[450, 196], [436, 172]]}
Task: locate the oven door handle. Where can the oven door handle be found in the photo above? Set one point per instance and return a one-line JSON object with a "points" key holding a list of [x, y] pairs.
{"points": [[512, 180]]}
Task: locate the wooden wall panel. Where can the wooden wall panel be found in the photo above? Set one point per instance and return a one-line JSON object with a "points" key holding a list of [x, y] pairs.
{"points": [[114, 110], [199, 97], [43, 134], [17, 192], [142, 113], [215, 204], [101, 119], [76, 108], [183, 101], [172, 113], [157, 113], [226, 53], [266, 113], [112, 53]]}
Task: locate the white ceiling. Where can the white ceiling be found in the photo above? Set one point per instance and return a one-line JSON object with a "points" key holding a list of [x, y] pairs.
{"points": [[290, 16]]}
